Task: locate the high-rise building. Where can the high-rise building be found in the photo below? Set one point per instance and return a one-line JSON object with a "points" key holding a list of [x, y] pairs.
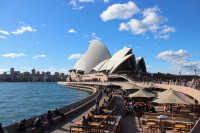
{"points": [[26, 73], [56, 74], [12, 70], [33, 72], [43, 73], [48, 73], [38, 73]]}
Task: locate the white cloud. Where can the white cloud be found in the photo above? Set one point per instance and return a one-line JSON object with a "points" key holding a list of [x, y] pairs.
{"points": [[3, 70], [106, 1], [179, 61], [147, 37], [95, 37], [53, 70], [165, 32], [39, 56], [151, 17], [86, 1], [43, 25], [72, 31], [149, 67], [13, 55], [123, 26], [23, 29], [76, 5], [23, 23], [4, 32], [3, 37], [120, 11], [162, 36], [173, 56], [75, 56], [151, 21], [138, 47], [26, 68], [130, 46], [167, 29]]}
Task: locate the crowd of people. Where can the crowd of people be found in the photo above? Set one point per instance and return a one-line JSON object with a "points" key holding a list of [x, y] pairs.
{"points": [[97, 110], [138, 108], [39, 121]]}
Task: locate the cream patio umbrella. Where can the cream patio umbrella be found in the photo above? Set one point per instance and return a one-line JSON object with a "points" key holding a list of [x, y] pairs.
{"points": [[126, 85], [163, 93], [131, 86], [141, 93], [171, 96]]}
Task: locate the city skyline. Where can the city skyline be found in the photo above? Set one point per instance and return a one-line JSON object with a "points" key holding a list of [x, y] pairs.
{"points": [[52, 37], [32, 76], [32, 71]]}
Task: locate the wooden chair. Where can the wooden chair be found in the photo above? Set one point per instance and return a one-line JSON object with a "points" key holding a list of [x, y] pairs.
{"points": [[175, 131], [157, 128], [146, 129], [173, 122], [189, 126]]}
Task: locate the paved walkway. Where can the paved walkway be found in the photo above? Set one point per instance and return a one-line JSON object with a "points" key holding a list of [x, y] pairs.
{"points": [[130, 124], [64, 127]]}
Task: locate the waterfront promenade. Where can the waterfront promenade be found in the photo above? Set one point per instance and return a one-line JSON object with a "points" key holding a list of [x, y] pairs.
{"points": [[186, 90], [130, 123], [64, 127]]}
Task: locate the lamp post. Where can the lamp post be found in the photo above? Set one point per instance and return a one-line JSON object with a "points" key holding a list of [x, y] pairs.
{"points": [[180, 77], [195, 71]]}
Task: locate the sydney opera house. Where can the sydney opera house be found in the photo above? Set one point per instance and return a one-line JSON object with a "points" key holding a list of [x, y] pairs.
{"points": [[98, 64]]}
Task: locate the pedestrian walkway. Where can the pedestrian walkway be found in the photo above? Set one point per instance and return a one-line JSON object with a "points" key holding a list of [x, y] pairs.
{"points": [[64, 127], [130, 124]]}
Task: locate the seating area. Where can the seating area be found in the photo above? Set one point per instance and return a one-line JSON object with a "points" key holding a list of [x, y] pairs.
{"points": [[107, 121], [169, 123], [137, 114], [102, 123]]}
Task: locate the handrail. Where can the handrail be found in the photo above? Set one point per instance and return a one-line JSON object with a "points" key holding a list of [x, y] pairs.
{"points": [[196, 127]]}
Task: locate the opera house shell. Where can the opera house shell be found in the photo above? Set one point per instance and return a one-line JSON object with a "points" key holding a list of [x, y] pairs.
{"points": [[97, 59], [141, 67]]}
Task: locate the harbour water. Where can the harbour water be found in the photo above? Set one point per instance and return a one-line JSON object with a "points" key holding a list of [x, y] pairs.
{"points": [[23, 100]]}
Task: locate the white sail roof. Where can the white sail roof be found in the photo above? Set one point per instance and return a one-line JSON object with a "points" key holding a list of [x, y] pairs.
{"points": [[140, 63], [96, 53], [116, 60]]}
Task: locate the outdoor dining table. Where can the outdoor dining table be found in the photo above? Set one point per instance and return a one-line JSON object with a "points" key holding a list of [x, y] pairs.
{"points": [[161, 122], [151, 124], [100, 116], [106, 111], [96, 124], [180, 126]]}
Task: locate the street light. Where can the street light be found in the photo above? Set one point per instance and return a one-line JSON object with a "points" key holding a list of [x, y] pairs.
{"points": [[195, 71], [180, 77]]}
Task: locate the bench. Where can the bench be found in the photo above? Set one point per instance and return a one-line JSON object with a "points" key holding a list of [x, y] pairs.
{"points": [[116, 126], [101, 128], [75, 129]]}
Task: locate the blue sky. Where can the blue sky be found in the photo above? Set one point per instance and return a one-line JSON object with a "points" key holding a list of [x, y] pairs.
{"points": [[51, 35]]}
